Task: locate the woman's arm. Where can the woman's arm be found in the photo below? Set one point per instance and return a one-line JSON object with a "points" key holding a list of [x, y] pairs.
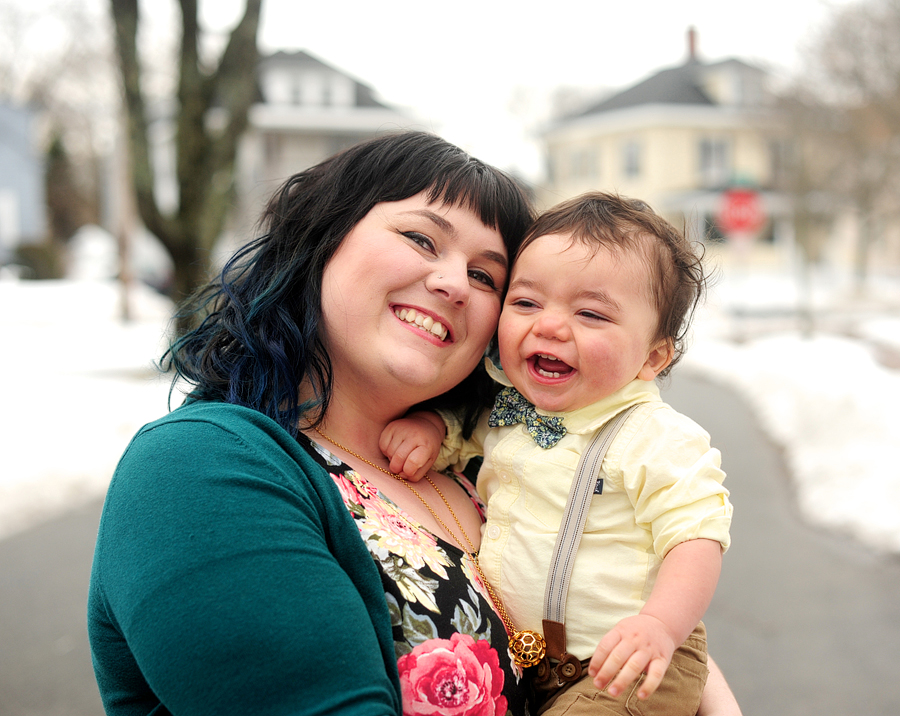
{"points": [[223, 582], [717, 699]]}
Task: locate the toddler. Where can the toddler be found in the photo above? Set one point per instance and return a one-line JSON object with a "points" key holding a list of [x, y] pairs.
{"points": [[600, 297]]}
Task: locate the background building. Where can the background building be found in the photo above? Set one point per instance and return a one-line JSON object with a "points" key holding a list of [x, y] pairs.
{"points": [[22, 193], [307, 111], [680, 140]]}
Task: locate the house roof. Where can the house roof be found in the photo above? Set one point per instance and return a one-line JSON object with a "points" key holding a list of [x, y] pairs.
{"points": [[676, 85], [365, 95]]}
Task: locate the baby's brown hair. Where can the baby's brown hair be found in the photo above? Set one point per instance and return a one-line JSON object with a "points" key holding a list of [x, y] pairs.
{"points": [[677, 278]]}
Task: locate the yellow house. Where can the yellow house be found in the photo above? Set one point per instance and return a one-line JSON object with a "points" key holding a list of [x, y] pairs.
{"points": [[679, 140]]}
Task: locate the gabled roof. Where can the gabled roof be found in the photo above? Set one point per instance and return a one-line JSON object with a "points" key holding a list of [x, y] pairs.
{"points": [[681, 85], [365, 95]]}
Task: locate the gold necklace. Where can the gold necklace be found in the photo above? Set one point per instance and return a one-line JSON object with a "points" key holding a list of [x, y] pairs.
{"points": [[527, 647]]}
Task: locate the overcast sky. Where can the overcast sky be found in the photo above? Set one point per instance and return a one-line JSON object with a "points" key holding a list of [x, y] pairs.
{"points": [[457, 65]]}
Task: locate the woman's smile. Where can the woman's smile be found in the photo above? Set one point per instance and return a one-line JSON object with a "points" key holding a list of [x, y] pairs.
{"points": [[426, 322]]}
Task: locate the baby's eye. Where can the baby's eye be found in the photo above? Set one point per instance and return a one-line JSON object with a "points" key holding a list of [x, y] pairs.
{"points": [[591, 315], [419, 239], [524, 303], [483, 277]]}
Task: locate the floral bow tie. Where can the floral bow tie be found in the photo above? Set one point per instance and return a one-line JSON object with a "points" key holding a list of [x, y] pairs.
{"points": [[511, 407]]}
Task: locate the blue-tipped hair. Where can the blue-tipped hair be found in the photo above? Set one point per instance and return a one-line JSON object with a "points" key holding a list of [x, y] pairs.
{"points": [[259, 338]]}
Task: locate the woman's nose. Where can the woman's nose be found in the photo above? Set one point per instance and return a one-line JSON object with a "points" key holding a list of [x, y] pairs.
{"points": [[450, 281]]}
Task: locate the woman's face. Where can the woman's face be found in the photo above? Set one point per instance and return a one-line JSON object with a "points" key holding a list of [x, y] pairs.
{"points": [[411, 298]]}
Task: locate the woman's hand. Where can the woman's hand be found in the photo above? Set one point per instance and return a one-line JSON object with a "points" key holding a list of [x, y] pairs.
{"points": [[413, 443]]}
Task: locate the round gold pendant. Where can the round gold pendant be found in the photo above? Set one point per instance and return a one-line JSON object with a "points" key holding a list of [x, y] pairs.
{"points": [[527, 647]]}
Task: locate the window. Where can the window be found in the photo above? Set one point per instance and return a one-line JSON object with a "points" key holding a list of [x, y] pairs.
{"points": [[715, 161], [631, 159], [780, 159], [585, 164]]}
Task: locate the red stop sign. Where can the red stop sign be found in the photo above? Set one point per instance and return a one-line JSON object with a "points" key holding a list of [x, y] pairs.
{"points": [[741, 211]]}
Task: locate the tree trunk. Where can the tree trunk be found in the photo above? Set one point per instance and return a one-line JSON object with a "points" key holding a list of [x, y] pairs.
{"points": [[205, 152]]}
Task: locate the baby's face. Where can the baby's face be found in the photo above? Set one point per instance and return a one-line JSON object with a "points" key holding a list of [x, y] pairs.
{"points": [[578, 324]]}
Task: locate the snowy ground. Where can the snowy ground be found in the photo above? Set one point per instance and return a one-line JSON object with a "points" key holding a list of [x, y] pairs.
{"points": [[79, 383]]}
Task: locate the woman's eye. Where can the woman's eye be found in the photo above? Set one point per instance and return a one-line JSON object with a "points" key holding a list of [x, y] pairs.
{"points": [[419, 239], [483, 278]]}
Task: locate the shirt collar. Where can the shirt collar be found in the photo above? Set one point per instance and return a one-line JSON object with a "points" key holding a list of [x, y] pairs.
{"points": [[591, 417]]}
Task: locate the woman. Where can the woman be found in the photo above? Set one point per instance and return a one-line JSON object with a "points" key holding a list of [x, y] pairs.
{"points": [[229, 574]]}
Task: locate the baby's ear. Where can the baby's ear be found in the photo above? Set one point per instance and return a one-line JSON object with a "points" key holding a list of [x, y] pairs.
{"points": [[658, 359]]}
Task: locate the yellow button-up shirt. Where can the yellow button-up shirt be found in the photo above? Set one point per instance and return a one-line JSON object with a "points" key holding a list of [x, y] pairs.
{"points": [[662, 486]]}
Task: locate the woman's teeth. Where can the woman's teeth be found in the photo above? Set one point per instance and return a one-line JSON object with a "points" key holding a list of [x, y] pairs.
{"points": [[411, 315]]}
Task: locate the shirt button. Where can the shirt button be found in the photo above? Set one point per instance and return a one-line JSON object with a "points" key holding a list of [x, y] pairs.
{"points": [[493, 532], [504, 477]]}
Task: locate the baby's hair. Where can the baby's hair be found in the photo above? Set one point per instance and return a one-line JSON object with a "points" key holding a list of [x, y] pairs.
{"points": [[677, 278]]}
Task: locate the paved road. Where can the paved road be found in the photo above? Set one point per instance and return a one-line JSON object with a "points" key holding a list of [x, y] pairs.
{"points": [[803, 623], [45, 664]]}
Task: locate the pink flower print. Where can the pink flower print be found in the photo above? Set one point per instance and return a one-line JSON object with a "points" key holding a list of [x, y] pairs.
{"points": [[366, 489], [348, 491], [395, 534], [452, 677]]}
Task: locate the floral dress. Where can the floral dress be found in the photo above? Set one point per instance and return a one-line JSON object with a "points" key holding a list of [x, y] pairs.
{"points": [[451, 646]]}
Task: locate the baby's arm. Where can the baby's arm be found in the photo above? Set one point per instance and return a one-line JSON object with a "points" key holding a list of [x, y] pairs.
{"points": [[646, 642], [412, 443]]}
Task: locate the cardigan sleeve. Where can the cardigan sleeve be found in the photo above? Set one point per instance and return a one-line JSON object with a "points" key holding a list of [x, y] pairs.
{"points": [[223, 582]]}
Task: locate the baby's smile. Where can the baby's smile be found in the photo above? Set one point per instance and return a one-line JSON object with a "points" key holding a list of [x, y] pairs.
{"points": [[550, 366]]}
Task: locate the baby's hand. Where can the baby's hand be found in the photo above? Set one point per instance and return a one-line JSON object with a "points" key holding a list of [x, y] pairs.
{"points": [[412, 444], [636, 645]]}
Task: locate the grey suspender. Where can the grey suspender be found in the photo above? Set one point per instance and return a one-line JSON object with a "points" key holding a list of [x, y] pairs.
{"points": [[570, 531]]}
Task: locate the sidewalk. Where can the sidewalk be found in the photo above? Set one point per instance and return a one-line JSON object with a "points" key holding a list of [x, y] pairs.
{"points": [[803, 621], [45, 663]]}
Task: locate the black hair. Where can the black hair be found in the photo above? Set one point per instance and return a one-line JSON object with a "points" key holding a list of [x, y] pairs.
{"points": [[259, 338]]}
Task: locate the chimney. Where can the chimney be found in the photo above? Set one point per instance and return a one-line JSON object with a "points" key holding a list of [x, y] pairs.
{"points": [[692, 44]]}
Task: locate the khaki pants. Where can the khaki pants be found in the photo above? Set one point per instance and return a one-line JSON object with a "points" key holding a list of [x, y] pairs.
{"points": [[678, 694]]}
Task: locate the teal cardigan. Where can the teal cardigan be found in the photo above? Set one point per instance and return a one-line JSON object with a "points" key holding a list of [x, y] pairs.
{"points": [[229, 578]]}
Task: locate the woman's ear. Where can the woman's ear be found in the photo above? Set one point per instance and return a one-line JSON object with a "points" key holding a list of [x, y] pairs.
{"points": [[657, 360]]}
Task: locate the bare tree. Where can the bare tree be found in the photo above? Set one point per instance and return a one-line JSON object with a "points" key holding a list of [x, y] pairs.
{"points": [[853, 67], [803, 173], [212, 105]]}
